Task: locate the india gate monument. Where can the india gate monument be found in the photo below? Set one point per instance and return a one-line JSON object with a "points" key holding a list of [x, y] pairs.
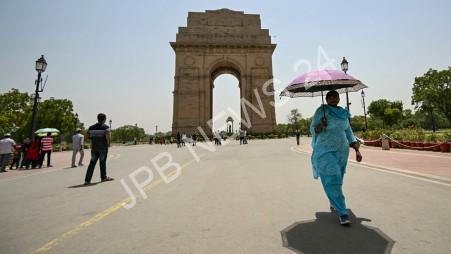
{"points": [[223, 42]]}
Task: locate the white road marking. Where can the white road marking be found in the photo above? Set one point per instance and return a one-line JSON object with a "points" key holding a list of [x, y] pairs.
{"points": [[395, 171]]}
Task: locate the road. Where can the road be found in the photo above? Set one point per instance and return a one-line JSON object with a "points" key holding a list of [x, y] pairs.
{"points": [[236, 199]]}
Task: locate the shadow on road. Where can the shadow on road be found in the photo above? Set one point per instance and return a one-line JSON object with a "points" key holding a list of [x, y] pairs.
{"points": [[326, 235], [83, 185]]}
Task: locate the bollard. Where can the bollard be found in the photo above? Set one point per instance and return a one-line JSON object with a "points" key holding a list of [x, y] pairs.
{"points": [[385, 142]]}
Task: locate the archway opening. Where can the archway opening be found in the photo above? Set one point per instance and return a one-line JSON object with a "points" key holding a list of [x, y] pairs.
{"points": [[226, 103]]}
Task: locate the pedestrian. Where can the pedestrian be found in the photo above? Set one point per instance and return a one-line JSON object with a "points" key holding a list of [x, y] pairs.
{"points": [[100, 136], [194, 138], [217, 138], [46, 148], [332, 137], [6, 148], [178, 138], [298, 136], [245, 137], [183, 139], [78, 147], [24, 150], [17, 155], [33, 155]]}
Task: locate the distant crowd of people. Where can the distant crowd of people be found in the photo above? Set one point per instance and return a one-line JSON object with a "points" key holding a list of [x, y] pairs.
{"points": [[31, 153], [181, 138], [243, 137], [28, 154]]}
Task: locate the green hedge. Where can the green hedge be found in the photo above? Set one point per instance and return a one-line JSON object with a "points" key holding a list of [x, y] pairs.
{"points": [[407, 135]]}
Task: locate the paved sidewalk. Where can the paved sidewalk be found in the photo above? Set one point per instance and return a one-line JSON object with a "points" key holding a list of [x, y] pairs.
{"points": [[63, 160], [424, 163], [59, 160]]}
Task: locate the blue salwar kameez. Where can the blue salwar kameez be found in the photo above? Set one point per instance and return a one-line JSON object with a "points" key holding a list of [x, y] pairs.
{"points": [[331, 151]]}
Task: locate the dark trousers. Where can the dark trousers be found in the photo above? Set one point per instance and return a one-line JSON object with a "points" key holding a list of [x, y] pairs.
{"points": [[43, 153], [95, 156], [24, 162], [16, 162]]}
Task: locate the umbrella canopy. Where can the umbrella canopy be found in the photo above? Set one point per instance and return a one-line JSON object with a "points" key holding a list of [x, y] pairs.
{"points": [[43, 132], [314, 83]]}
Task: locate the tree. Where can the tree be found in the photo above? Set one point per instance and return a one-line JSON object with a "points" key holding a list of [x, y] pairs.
{"points": [[127, 133], [409, 120], [432, 92], [59, 114], [16, 111], [426, 119], [358, 123], [282, 129], [389, 112], [294, 119]]}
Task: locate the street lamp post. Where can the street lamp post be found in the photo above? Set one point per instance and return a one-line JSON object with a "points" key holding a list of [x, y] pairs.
{"points": [[76, 121], [433, 121], [40, 66], [364, 109], [344, 68]]}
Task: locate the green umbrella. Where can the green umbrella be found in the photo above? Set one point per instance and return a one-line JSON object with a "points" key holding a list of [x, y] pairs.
{"points": [[43, 132]]}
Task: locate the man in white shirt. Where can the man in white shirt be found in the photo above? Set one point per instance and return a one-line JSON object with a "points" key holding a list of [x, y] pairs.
{"points": [[6, 147], [77, 146]]}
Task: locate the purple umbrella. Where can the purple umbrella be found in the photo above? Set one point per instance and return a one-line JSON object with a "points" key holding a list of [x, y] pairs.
{"points": [[314, 83]]}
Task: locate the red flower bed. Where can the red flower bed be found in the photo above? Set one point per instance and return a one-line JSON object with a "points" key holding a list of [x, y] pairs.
{"points": [[445, 147]]}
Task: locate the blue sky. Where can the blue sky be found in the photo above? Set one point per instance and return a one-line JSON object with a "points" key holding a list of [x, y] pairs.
{"points": [[114, 56]]}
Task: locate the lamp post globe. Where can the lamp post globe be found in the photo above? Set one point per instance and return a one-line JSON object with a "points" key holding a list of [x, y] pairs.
{"points": [[344, 65], [41, 64], [76, 121], [344, 68]]}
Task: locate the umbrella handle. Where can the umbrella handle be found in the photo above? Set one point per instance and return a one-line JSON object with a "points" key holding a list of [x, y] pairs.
{"points": [[324, 109]]}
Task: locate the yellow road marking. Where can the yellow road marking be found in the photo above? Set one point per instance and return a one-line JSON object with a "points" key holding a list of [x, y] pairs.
{"points": [[102, 215]]}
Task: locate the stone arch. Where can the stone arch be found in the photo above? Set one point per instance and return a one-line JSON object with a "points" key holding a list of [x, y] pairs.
{"points": [[224, 66], [214, 43]]}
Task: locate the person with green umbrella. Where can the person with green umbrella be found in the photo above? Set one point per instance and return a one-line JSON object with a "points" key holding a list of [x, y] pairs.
{"points": [[46, 149]]}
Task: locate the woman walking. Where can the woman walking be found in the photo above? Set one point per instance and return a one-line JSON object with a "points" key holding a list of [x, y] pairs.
{"points": [[33, 155], [332, 137]]}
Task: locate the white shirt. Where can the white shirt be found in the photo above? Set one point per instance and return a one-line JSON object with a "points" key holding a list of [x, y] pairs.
{"points": [[77, 141], [6, 145]]}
